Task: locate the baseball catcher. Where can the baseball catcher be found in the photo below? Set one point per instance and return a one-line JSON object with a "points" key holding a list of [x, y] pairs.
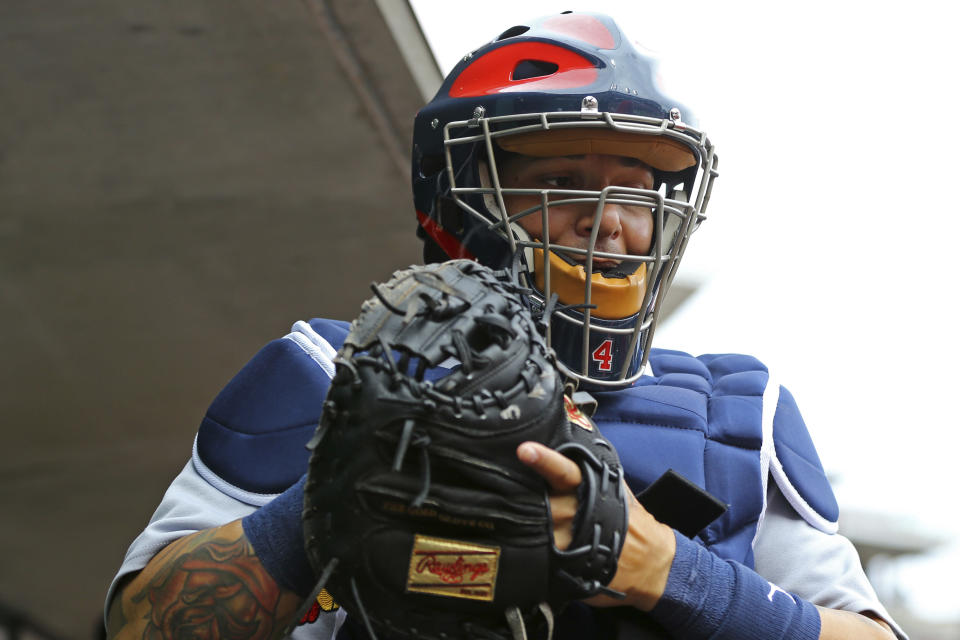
{"points": [[550, 152], [418, 516]]}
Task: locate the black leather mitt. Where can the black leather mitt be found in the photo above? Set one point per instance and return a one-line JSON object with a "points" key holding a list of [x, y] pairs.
{"points": [[419, 518]]}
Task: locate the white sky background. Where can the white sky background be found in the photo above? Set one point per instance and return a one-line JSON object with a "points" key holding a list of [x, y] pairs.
{"points": [[829, 251]]}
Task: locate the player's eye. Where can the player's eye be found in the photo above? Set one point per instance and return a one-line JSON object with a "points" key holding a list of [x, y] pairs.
{"points": [[559, 182]]}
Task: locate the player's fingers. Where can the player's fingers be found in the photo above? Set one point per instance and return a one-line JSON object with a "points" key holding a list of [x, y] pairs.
{"points": [[563, 508], [560, 472]]}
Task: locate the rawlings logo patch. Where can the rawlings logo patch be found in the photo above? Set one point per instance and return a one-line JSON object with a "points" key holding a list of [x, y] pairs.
{"points": [[576, 416], [453, 568]]}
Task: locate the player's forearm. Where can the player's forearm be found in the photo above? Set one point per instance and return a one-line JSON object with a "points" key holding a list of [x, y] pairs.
{"points": [[208, 584], [834, 624], [846, 625]]}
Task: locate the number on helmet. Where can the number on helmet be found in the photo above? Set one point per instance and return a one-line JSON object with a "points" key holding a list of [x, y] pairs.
{"points": [[603, 355]]}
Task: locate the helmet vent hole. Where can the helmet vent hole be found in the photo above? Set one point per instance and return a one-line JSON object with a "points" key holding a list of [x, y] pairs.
{"points": [[431, 165], [534, 69], [513, 32]]}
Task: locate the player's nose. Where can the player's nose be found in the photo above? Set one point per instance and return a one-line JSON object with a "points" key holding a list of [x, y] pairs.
{"points": [[608, 220]]}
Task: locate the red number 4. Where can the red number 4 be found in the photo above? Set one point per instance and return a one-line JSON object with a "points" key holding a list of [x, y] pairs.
{"points": [[604, 355]]}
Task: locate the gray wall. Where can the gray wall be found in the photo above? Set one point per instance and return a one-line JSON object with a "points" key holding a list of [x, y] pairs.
{"points": [[179, 182]]}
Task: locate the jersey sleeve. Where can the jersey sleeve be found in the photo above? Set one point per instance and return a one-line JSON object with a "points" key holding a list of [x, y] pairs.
{"points": [[190, 504], [820, 567]]}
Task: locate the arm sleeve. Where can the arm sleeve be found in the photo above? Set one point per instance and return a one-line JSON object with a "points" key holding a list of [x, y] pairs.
{"points": [[819, 567]]}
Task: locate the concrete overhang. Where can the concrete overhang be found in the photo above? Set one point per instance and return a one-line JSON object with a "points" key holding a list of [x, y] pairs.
{"points": [[179, 183]]}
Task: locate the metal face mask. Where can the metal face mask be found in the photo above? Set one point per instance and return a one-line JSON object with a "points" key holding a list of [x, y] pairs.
{"points": [[594, 97]]}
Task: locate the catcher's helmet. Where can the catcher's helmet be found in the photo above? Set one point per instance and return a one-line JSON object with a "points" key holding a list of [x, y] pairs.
{"points": [[564, 85]]}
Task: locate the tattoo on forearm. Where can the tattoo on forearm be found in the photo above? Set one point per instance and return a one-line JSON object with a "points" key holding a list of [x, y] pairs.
{"points": [[214, 588]]}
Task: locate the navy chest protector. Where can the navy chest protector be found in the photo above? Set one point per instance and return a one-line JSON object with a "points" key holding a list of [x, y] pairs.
{"points": [[719, 420]]}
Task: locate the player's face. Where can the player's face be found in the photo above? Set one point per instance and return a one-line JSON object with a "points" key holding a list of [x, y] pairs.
{"points": [[623, 228]]}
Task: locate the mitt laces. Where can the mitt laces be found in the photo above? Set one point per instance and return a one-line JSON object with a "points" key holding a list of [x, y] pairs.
{"points": [[424, 304], [519, 629], [515, 622], [420, 441]]}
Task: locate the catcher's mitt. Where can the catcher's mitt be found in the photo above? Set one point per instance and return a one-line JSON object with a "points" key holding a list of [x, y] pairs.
{"points": [[418, 516]]}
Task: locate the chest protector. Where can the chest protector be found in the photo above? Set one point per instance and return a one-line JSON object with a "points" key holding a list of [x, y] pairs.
{"points": [[718, 420], [723, 423]]}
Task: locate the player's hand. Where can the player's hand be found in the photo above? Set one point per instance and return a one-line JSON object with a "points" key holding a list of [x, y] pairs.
{"points": [[647, 551]]}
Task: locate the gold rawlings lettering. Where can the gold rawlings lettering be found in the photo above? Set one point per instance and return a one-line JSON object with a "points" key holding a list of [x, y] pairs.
{"points": [[453, 568]]}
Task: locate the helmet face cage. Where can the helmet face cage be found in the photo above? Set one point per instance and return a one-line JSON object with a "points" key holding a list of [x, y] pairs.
{"points": [[596, 351], [577, 77]]}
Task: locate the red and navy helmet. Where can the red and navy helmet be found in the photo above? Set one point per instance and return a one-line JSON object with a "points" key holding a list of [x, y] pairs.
{"points": [[563, 85]]}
